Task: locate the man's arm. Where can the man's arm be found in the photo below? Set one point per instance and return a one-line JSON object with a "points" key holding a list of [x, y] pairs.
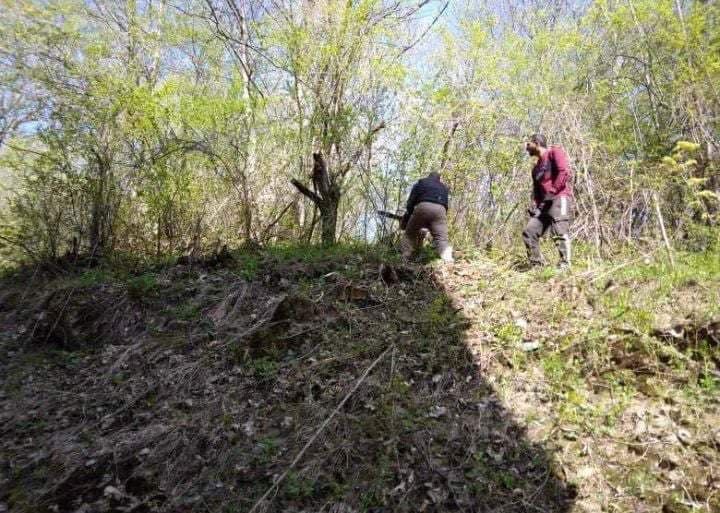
{"points": [[560, 159], [412, 200], [409, 206]]}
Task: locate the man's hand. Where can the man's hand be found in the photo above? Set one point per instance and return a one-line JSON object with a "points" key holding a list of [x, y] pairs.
{"points": [[533, 210]]}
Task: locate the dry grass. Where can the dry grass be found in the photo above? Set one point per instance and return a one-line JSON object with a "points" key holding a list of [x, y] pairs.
{"points": [[616, 366]]}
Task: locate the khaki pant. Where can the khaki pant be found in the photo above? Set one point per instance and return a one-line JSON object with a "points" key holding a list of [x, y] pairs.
{"points": [[431, 217], [554, 215]]}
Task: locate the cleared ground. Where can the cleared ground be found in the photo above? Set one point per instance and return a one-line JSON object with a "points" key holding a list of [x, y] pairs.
{"points": [[470, 388]]}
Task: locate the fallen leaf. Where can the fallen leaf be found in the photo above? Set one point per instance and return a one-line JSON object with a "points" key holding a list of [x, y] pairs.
{"points": [[437, 412], [249, 428], [684, 436], [112, 492], [530, 346]]}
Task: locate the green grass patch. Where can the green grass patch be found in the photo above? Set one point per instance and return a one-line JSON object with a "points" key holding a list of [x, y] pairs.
{"points": [[439, 313], [689, 267], [297, 487], [312, 253], [142, 287], [93, 277], [625, 306], [567, 383], [185, 312], [268, 449], [247, 264], [508, 334], [263, 367]]}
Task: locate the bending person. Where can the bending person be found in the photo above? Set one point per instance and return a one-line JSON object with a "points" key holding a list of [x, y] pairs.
{"points": [[426, 209]]}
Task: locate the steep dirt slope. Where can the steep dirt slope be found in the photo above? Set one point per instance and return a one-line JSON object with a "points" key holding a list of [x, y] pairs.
{"points": [[195, 389], [471, 388]]}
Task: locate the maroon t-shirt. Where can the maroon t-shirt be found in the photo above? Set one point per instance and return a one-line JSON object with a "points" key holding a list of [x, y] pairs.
{"points": [[551, 175]]}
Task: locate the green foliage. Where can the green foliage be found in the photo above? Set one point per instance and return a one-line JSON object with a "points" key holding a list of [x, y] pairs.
{"points": [[268, 449], [263, 367], [186, 312], [140, 130], [439, 313], [93, 277], [701, 238], [509, 333], [305, 253], [690, 267], [248, 265], [297, 487], [142, 287]]}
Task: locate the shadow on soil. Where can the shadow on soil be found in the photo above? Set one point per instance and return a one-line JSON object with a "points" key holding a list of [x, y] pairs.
{"points": [[231, 375]]}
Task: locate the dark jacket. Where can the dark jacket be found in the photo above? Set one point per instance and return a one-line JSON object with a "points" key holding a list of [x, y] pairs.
{"points": [[551, 176], [429, 189]]}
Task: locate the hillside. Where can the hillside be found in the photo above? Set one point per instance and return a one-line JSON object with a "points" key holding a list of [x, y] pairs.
{"points": [[359, 383]]}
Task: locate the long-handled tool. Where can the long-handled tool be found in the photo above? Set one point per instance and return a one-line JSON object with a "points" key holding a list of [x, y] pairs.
{"points": [[390, 215], [399, 217]]}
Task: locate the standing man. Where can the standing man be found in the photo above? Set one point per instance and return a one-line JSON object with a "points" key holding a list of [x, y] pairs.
{"points": [[427, 210], [552, 200]]}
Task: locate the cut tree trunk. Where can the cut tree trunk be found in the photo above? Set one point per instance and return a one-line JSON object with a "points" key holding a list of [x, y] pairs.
{"points": [[328, 221], [326, 197], [328, 186]]}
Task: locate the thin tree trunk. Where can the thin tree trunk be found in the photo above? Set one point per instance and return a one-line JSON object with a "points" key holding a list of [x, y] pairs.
{"points": [[251, 159], [326, 198], [328, 220], [99, 207], [313, 222], [662, 231], [593, 203]]}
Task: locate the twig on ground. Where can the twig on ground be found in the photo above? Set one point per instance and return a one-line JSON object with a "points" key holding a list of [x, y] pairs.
{"points": [[322, 427]]}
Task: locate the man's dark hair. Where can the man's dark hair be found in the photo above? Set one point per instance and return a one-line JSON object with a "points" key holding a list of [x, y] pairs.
{"points": [[539, 139]]}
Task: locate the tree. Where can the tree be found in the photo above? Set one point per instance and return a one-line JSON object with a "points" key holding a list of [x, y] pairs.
{"points": [[334, 54]]}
